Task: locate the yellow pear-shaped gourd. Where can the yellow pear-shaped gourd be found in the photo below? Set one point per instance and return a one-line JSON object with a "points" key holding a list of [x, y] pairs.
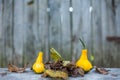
{"points": [[83, 61], [38, 66]]}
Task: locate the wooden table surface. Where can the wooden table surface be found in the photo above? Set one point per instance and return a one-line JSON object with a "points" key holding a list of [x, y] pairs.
{"points": [[114, 74]]}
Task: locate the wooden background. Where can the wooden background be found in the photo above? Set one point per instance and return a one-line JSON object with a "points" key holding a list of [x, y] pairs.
{"points": [[27, 29]]}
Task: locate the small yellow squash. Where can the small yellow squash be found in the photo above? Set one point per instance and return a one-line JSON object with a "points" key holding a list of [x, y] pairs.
{"points": [[38, 66], [83, 61]]}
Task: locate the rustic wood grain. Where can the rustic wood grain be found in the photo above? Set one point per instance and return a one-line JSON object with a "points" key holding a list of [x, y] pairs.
{"points": [[27, 29], [18, 32], [107, 29], [43, 27], [1, 38], [97, 32], [65, 29], [111, 32], [76, 28], [55, 25], [28, 53], [81, 15], [117, 3], [8, 31], [117, 27]]}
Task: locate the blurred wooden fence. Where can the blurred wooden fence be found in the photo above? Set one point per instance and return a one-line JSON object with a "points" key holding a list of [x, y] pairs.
{"points": [[27, 28]]}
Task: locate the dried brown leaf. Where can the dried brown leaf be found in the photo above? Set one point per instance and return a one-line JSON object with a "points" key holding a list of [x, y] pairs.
{"points": [[13, 68], [73, 70], [70, 68], [101, 70], [81, 71]]}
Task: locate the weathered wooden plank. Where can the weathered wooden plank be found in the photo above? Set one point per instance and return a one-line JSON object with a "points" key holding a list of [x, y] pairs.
{"points": [[81, 15], [8, 31], [104, 30], [86, 27], [107, 30], [1, 18], [18, 31], [38, 27], [117, 17], [43, 28], [97, 33], [117, 23], [111, 17], [76, 28], [66, 30], [37, 43], [111, 32], [103, 26], [27, 29], [117, 56], [55, 24], [1, 40], [28, 52]]}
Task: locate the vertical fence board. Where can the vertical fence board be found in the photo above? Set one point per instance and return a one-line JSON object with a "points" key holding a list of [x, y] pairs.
{"points": [[76, 29], [117, 23], [28, 33], [43, 27], [1, 40], [27, 29], [55, 24], [65, 25], [1, 19], [18, 31], [81, 15], [111, 17], [96, 32], [117, 17], [37, 47], [8, 31], [107, 30], [111, 32], [86, 28], [104, 29]]}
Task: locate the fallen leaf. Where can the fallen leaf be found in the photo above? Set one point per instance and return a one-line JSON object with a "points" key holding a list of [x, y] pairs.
{"points": [[13, 68], [55, 74], [55, 55], [65, 63], [81, 72], [101, 70], [70, 68], [73, 70]]}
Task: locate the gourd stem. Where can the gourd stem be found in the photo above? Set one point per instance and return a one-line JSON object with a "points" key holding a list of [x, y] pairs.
{"points": [[83, 44]]}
